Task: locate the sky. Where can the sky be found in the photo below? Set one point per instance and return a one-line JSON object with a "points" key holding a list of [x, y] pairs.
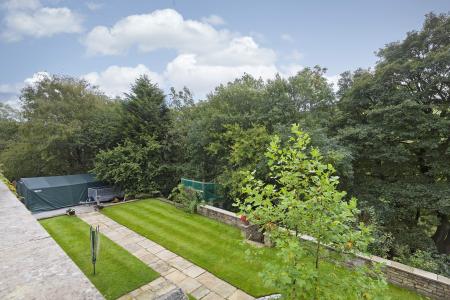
{"points": [[198, 44]]}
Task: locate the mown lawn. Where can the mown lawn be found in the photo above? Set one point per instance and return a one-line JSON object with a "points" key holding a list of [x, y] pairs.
{"points": [[212, 245], [117, 271]]}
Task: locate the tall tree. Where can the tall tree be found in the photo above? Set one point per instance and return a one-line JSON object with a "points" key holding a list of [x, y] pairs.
{"points": [[59, 133], [396, 120], [143, 161], [9, 125], [146, 111]]}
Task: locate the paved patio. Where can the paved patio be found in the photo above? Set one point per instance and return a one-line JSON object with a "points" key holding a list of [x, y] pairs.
{"points": [[174, 269]]}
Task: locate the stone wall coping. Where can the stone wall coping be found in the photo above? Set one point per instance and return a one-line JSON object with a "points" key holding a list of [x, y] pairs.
{"points": [[372, 258], [220, 210], [443, 279]]}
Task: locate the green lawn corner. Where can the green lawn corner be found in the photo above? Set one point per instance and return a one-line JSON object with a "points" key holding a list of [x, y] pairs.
{"points": [[118, 271]]}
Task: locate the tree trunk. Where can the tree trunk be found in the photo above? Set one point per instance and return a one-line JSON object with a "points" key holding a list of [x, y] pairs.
{"points": [[442, 235]]}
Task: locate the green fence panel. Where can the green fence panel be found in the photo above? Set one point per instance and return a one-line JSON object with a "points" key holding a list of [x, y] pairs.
{"points": [[209, 191]]}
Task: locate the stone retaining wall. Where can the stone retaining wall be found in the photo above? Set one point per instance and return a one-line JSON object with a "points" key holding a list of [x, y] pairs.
{"points": [[423, 282], [219, 214]]}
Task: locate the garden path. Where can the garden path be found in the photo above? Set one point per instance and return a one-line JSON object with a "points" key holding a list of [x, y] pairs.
{"points": [[174, 269]]}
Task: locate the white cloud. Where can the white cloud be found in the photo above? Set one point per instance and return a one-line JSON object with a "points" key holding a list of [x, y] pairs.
{"points": [[160, 29], [36, 77], [14, 88], [9, 93], [93, 6], [206, 56], [11, 100], [186, 70], [333, 79], [240, 51], [214, 20], [115, 80], [287, 37], [295, 55], [21, 4], [290, 70], [9, 88], [29, 18]]}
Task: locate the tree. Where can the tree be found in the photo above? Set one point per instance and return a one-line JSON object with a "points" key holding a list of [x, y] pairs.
{"points": [[181, 99], [58, 132], [145, 110], [244, 151], [396, 121], [303, 199], [9, 125], [132, 166], [310, 91], [142, 161]]}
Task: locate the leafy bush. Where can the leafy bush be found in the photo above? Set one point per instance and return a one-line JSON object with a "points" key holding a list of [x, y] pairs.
{"points": [[187, 198], [132, 166], [432, 262], [7, 182]]}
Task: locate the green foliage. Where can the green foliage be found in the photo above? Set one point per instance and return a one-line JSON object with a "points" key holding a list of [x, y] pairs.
{"points": [[7, 182], [244, 150], [131, 166], [423, 260], [9, 125], [63, 124], [229, 132], [303, 199], [395, 121], [142, 162], [187, 198], [433, 262], [311, 93], [145, 110]]}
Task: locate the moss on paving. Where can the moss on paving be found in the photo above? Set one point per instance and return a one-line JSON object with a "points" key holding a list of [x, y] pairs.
{"points": [[117, 271], [212, 245]]}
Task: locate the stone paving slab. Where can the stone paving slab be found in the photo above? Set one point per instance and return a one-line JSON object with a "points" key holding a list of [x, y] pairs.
{"points": [[79, 209], [174, 269], [32, 265]]}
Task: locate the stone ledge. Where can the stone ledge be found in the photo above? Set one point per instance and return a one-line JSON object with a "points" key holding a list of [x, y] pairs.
{"points": [[219, 210], [32, 263]]}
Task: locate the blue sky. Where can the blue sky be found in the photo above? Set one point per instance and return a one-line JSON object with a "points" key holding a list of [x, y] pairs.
{"points": [[194, 43]]}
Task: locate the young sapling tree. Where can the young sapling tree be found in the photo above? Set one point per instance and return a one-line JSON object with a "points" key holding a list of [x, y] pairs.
{"points": [[302, 199]]}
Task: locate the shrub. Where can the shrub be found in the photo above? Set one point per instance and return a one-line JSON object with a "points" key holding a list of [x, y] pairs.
{"points": [[187, 198], [7, 182], [432, 262]]}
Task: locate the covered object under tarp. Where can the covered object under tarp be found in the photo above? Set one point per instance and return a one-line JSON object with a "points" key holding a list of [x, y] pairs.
{"points": [[53, 192]]}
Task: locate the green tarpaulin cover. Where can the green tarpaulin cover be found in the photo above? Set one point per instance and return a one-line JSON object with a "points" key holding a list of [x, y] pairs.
{"points": [[53, 192]]}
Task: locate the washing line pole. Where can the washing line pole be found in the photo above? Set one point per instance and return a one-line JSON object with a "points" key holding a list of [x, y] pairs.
{"points": [[95, 244]]}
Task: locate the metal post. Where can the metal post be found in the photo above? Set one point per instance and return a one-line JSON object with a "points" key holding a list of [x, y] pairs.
{"points": [[95, 244]]}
